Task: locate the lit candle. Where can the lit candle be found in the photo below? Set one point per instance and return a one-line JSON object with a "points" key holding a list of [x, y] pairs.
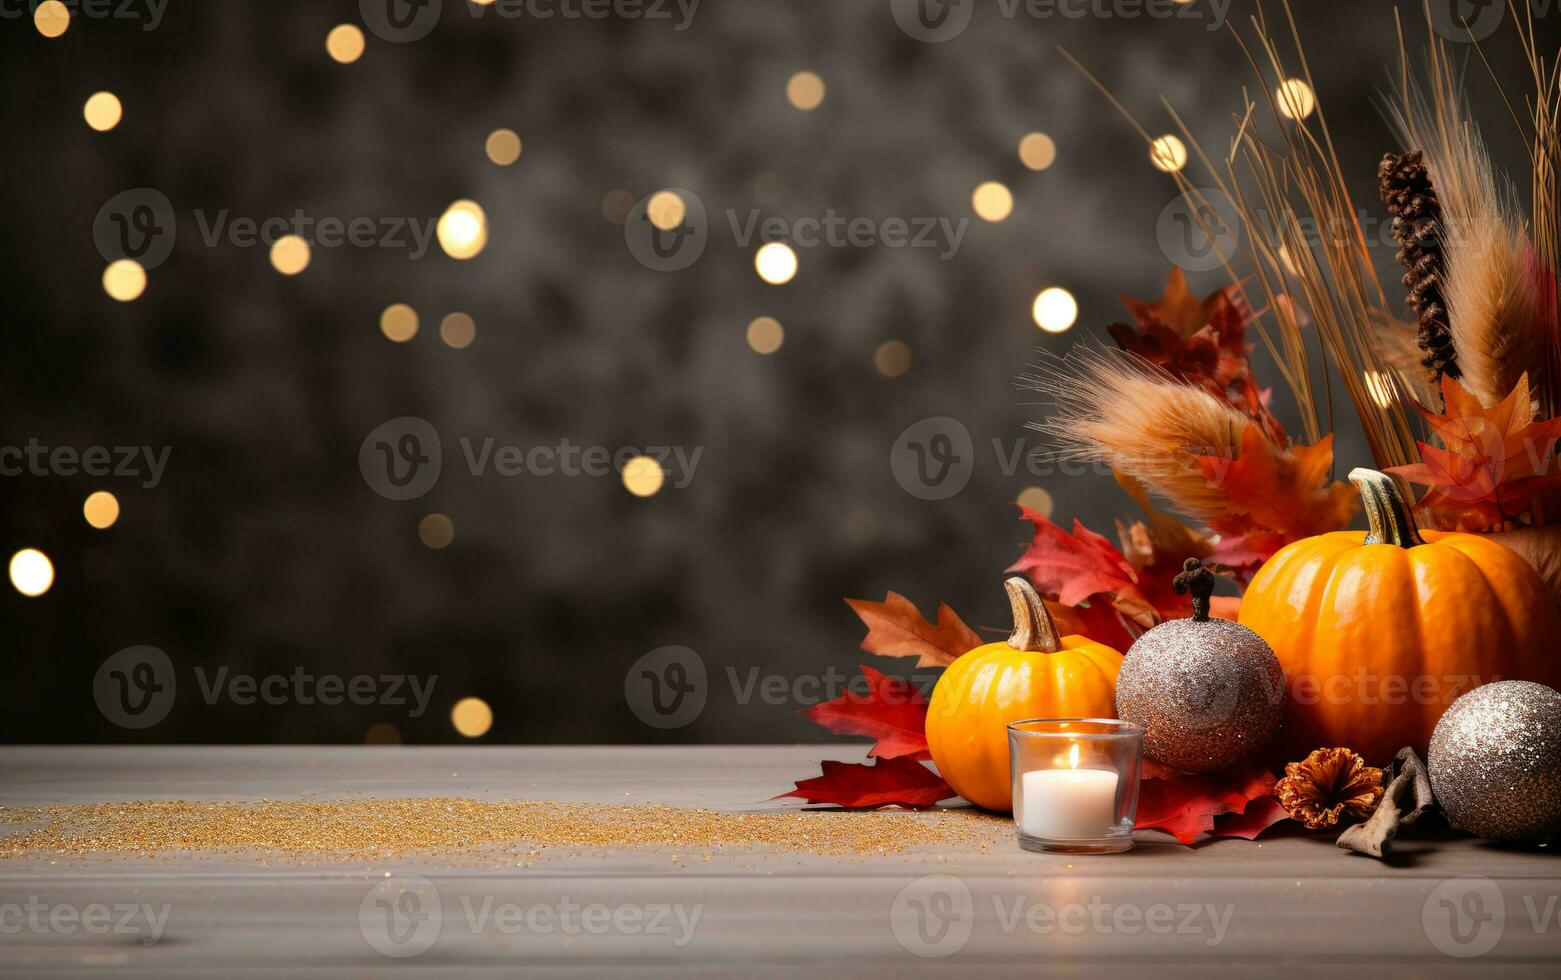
{"points": [[1067, 804]]}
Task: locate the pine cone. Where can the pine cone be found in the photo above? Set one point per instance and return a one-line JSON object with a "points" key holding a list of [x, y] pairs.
{"points": [[1411, 200], [1327, 785]]}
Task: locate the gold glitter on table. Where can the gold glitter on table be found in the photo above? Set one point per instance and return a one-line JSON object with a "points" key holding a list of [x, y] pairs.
{"points": [[448, 826]]}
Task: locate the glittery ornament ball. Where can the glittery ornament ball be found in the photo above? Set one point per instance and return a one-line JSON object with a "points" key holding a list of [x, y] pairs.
{"points": [[1495, 762], [1209, 695]]}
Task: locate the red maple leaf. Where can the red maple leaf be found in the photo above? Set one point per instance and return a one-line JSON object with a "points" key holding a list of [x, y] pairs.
{"points": [[895, 628], [1082, 566], [1260, 814], [888, 782], [893, 712], [1496, 460], [1185, 805]]}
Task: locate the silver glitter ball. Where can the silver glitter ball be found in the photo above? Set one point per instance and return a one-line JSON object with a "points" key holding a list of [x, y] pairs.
{"points": [[1495, 762], [1209, 695]]}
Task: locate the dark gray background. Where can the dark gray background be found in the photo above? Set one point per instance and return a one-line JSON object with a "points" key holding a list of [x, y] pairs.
{"points": [[264, 550]]}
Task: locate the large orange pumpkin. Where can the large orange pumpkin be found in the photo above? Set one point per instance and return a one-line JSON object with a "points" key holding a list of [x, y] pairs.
{"points": [[1379, 631], [1032, 675]]}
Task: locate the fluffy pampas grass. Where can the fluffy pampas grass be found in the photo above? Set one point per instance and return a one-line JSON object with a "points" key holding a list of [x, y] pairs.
{"points": [[1129, 415]]}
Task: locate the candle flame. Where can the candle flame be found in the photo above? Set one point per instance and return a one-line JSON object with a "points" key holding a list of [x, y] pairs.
{"points": [[1073, 756]]}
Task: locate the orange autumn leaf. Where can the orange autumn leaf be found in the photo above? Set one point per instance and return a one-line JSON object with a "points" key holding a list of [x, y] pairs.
{"points": [[896, 628], [1082, 567], [1186, 805], [1496, 460], [1281, 490]]}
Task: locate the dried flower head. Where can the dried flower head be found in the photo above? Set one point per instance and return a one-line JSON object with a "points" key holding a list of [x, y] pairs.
{"points": [[1327, 785]]}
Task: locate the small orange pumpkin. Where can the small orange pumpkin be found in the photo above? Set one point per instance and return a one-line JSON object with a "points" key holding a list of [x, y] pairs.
{"points": [[1032, 675], [1379, 631]]}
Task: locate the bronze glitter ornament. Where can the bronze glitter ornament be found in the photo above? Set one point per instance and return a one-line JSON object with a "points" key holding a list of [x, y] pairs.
{"points": [[1495, 762], [1209, 693]]}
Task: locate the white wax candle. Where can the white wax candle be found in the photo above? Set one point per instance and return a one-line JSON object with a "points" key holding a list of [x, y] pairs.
{"points": [[1064, 804]]}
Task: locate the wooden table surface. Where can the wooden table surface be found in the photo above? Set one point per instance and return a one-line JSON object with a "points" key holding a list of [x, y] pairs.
{"points": [[1294, 905]]}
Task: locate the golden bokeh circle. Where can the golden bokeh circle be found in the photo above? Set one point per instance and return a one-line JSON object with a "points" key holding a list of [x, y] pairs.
{"points": [[101, 509]]}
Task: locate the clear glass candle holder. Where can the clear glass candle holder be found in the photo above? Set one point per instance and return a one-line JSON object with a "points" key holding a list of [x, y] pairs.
{"points": [[1075, 783]]}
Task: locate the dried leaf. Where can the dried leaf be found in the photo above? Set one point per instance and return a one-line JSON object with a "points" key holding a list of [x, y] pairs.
{"points": [[895, 628], [1185, 805], [1260, 814], [1199, 342], [887, 782], [893, 712]]}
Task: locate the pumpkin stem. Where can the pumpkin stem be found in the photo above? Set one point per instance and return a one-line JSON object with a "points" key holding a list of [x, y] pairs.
{"points": [[1034, 629], [1197, 579], [1388, 513]]}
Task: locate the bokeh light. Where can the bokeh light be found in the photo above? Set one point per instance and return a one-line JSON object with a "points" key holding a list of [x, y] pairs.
{"points": [[290, 255], [1295, 99], [458, 330], [765, 335], [992, 201], [1168, 153], [776, 263], [1037, 151], [643, 476], [52, 18], [32, 573], [1055, 309], [345, 43], [382, 733], [805, 90], [502, 147], [1037, 499], [101, 509], [436, 531], [472, 717], [124, 280], [103, 111], [666, 210], [892, 358], [463, 229], [398, 322]]}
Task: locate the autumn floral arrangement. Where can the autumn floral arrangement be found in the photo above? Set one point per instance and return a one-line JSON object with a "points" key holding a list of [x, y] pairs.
{"points": [[1453, 589]]}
